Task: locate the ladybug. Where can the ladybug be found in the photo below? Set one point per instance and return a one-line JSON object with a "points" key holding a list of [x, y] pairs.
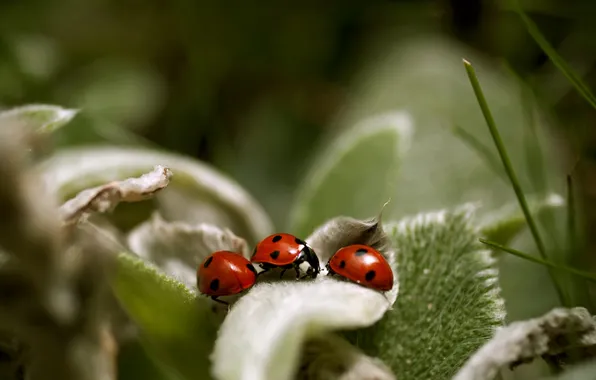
{"points": [[224, 273], [363, 265], [286, 251]]}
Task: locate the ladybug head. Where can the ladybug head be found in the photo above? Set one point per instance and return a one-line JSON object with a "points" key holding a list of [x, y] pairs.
{"points": [[309, 262]]}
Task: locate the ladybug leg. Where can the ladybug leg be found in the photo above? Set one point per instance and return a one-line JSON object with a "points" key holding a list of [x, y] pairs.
{"points": [[297, 273], [214, 298], [282, 273], [264, 269], [330, 271]]}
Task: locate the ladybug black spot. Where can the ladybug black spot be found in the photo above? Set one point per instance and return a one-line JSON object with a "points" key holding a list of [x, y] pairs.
{"points": [[361, 252], [214, 285], [276, 238], [251, 268], [274, 255], [208, 262], [342, 264], [299, 241], [370, 275]]}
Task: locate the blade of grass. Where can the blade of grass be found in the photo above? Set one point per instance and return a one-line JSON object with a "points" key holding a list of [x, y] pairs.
{"points": [[482, 150], [557, 60], [585, 275], [510, 172]]}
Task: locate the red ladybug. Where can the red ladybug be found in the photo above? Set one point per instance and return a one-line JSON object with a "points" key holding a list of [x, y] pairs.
{"points": [[286, 251], [225, 273], [363, 265]]}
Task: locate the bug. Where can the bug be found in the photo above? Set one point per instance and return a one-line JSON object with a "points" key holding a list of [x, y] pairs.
{"points": [[362, 264], [225, 273], [286, 251]]}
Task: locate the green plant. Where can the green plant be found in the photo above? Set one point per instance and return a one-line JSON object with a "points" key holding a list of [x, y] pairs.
{"points": [[444, 318]]}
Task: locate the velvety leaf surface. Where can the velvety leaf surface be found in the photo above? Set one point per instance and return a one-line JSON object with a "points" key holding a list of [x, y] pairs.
{"points": [[449, 303]]}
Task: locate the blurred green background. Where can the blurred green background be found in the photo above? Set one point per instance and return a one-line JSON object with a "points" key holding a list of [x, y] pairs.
{"points": [[255, 89]]}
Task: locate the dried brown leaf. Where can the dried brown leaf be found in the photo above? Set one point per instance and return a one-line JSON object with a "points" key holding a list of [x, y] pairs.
{"points": [[106, 197]]}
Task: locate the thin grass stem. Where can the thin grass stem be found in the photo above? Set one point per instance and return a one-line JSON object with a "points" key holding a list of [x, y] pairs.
{"points": [[585, 275], [509, 171], [557, 60]]}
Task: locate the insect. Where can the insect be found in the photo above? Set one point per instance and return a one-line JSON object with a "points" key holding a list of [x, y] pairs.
{"points": [[224, 273], [287, 252], [363, 265]]}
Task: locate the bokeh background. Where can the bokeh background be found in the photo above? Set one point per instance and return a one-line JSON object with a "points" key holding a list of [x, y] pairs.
{"points": [[256, 88]]}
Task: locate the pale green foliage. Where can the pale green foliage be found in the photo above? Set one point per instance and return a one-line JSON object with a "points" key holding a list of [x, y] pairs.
{"points": [[41, 117], [449, 303], [586, 371], [506, 223], [176, 326], [441, 170], [355, 175]]}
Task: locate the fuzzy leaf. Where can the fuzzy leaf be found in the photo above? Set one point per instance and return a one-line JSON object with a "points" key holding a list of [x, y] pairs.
{"points": [[177, 327], [41, 117], [449, 302], [505, 224], [553, 334], [263, 333], [265, 329], [197, 193], [356, 174], [178, 247]]}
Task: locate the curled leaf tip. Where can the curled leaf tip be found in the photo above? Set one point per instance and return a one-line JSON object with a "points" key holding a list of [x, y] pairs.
{"points": [[178, 247], [343, 231], [106, 197]]}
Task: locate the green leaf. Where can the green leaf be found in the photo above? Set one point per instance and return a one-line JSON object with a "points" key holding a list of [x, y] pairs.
{"points": [[557, 60], [135, 363], [505, 224], [197, 193], [177, 327], [41, 117], [449, 303], [355, 175]]}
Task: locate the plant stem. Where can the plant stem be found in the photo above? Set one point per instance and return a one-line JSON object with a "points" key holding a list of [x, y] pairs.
{"points": [[556, 59], [586, 275], [509, 170]]}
